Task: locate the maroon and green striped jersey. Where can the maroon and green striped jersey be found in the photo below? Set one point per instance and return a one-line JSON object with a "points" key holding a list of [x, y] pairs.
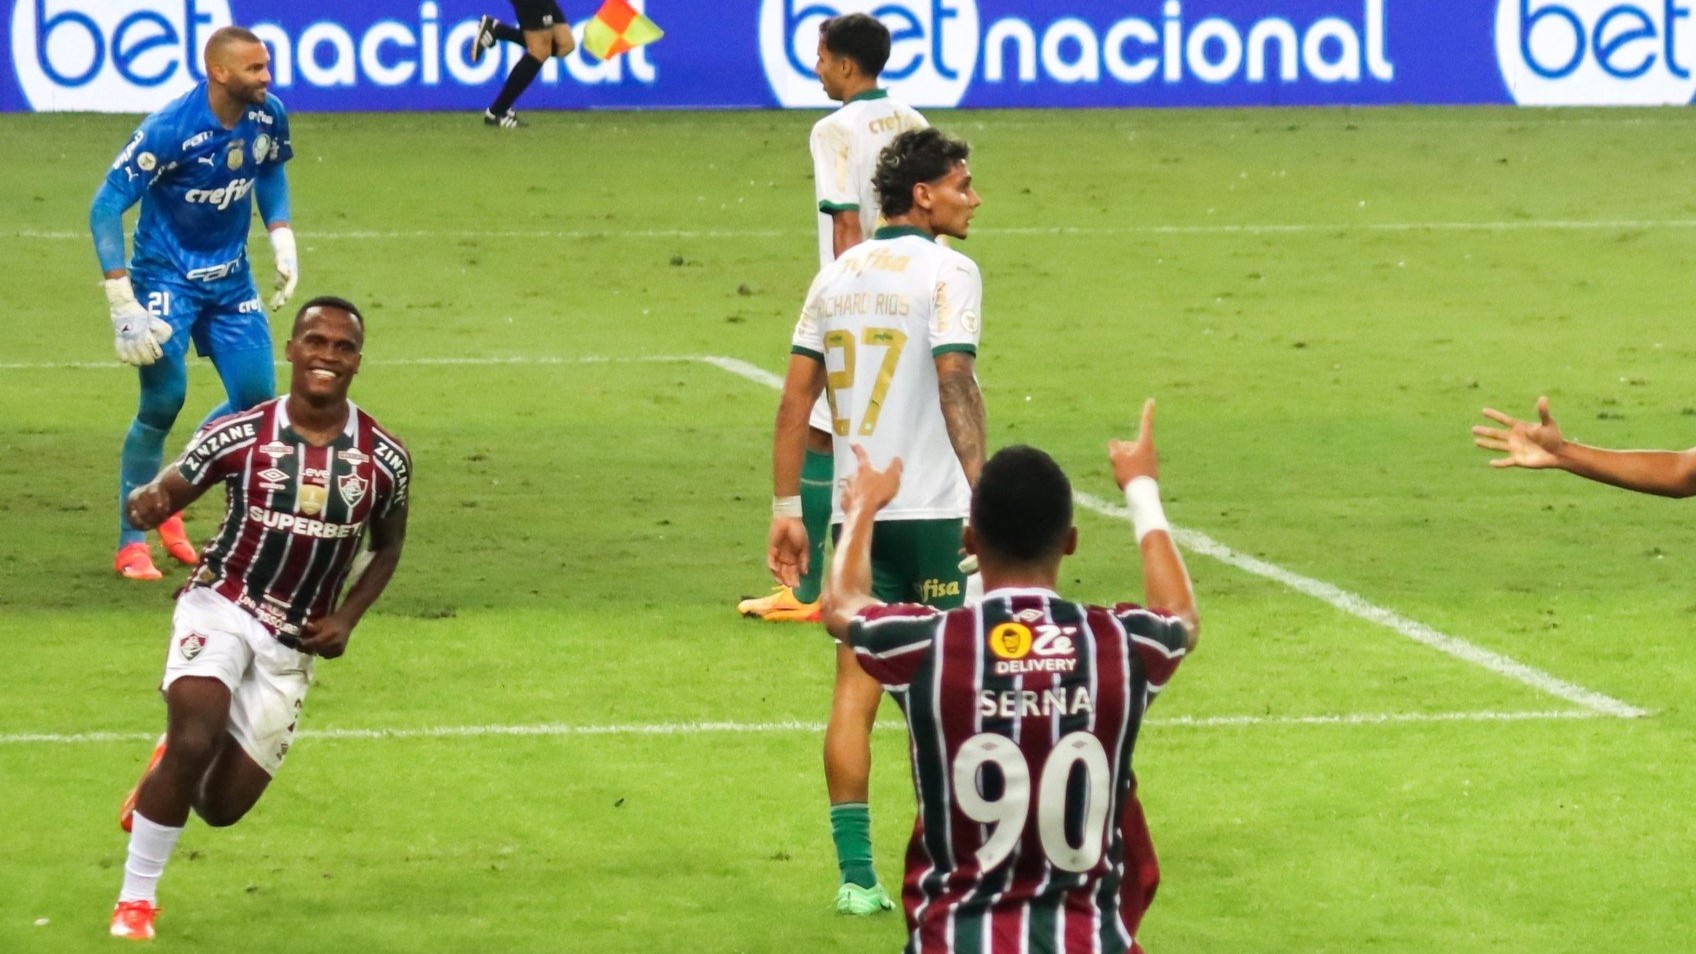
{"points": [[296, 513], [1022, 713]]}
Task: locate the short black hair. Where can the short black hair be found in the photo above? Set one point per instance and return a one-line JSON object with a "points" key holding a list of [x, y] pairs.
{"points": [[1022, 507], [859, 37], [915, 156], [329, 301]]}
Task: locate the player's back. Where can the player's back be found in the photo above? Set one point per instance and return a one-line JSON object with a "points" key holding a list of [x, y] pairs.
{"points": [[845, 146], [1023, 713], [883, 313]]}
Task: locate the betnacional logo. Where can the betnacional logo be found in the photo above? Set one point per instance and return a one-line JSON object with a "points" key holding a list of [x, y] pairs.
{"points": [[1597, 52], [933, 50], [99, 55]]}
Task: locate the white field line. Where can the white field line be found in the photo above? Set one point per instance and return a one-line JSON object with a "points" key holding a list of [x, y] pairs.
{"points": [[1193, 540], [1198, 542], [1223, 228], [796, 726]]}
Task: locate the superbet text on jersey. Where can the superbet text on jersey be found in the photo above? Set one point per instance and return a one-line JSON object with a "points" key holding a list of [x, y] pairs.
{"points": [[1023, 714], [297, 513]]}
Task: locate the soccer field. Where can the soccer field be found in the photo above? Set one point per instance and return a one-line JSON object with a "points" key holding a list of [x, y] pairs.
{"points": [[1436, 707]]}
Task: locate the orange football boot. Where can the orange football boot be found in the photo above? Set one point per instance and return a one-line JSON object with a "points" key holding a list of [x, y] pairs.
{"points": [[781, 607], [175, 538], [133, 920], [135, 562]]}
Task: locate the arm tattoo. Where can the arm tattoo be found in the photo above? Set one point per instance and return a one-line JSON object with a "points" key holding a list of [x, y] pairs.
{"points": [[962, 412]]}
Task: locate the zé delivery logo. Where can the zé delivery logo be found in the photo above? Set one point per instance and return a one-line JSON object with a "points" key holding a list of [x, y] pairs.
{"points": [[105, 56], [1597, 52]]}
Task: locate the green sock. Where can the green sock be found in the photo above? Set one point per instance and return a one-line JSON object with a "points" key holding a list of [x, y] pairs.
{"points": [[851, 829], [817, 474]]}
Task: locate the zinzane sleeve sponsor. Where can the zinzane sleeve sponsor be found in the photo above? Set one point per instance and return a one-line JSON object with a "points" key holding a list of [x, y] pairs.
{"points": [[832, 167], [957, 309], [396, 462], [890, 642], [215, 453], [1158, 638]]}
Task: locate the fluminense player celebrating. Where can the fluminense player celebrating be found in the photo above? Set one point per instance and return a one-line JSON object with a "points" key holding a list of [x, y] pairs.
{"points": [[845, 145], [308, 475], [195, 166], [890, 334], [1023, 711]]}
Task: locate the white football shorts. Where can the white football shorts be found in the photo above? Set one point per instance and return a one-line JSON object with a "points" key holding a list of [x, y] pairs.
{"points": [[213, 637]]}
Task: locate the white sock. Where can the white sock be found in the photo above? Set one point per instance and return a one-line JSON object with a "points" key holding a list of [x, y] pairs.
{"points": [[150, 849]]}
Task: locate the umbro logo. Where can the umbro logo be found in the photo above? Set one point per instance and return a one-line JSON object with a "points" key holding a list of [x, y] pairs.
{"points": [[273, 474]]}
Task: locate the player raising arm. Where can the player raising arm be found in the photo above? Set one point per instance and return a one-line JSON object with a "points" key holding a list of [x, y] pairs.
{"points": [[1023, 711], [1540, 446], [195, 166], [308, 476]]}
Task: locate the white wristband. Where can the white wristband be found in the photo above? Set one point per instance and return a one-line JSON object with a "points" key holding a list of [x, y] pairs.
{"points": [[282, 244], [786, 506], [119, 291], [1142, 495]]}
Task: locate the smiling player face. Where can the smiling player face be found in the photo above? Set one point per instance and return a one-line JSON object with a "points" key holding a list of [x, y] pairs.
{"points": [[242, 69], [325, 352]]}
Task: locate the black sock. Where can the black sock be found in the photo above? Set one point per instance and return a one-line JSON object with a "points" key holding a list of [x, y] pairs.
{"points": [[523, 72], [511, 34]]}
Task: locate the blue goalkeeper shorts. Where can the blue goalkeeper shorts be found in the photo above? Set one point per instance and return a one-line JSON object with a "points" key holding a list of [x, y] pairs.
{"points": [[222, 315]]}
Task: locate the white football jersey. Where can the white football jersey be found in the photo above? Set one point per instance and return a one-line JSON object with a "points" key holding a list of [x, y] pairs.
{"points": [[845, 148], [878, 317]]}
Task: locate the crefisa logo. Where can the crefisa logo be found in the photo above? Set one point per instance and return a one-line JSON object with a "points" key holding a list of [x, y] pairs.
{"points": [[933, 48], [1597, 52], [103, 56]]}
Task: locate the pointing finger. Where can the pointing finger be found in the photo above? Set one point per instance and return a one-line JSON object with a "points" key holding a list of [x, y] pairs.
{"points": [[1543, 411], [1145, 430]]}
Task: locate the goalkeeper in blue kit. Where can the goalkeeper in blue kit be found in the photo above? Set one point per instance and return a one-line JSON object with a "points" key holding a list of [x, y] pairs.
{"points": [[196, 167]]}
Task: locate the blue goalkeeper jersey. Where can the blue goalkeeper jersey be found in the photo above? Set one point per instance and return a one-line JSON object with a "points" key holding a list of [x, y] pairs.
{"points": [[195, 180]]}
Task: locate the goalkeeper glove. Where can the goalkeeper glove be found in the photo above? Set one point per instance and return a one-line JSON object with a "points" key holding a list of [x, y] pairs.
{"points": [[288, 265], [139, 333]]}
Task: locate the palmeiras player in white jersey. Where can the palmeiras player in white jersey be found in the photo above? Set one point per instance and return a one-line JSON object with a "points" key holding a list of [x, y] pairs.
{"points": [[889, 334], [845, 145], [309, 476], [1023, 711], [196, 167]]}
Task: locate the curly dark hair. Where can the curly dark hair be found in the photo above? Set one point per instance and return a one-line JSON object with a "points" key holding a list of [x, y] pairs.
{"points": [[915, 156]]}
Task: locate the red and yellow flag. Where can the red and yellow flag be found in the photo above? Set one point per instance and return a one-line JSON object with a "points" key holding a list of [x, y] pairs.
{"points": [[617, 27]]}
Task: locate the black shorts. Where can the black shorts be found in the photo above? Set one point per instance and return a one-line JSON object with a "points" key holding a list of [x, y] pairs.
{"points": [[538, 14]]}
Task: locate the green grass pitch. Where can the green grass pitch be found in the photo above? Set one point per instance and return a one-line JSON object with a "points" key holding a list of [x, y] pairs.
{"points": [[1321, 301]]}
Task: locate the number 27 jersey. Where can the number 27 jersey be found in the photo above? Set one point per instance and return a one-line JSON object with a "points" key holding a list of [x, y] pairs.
{"points": [[1023, 713], [878, 317]]}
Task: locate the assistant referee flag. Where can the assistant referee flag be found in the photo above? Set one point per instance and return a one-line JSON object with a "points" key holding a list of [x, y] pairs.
{"points": [[617, 27]]}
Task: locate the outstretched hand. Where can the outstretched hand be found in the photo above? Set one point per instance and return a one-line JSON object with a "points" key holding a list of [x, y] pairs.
{"points": [[870, 487], [1138, 458], [1523, 443]]}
